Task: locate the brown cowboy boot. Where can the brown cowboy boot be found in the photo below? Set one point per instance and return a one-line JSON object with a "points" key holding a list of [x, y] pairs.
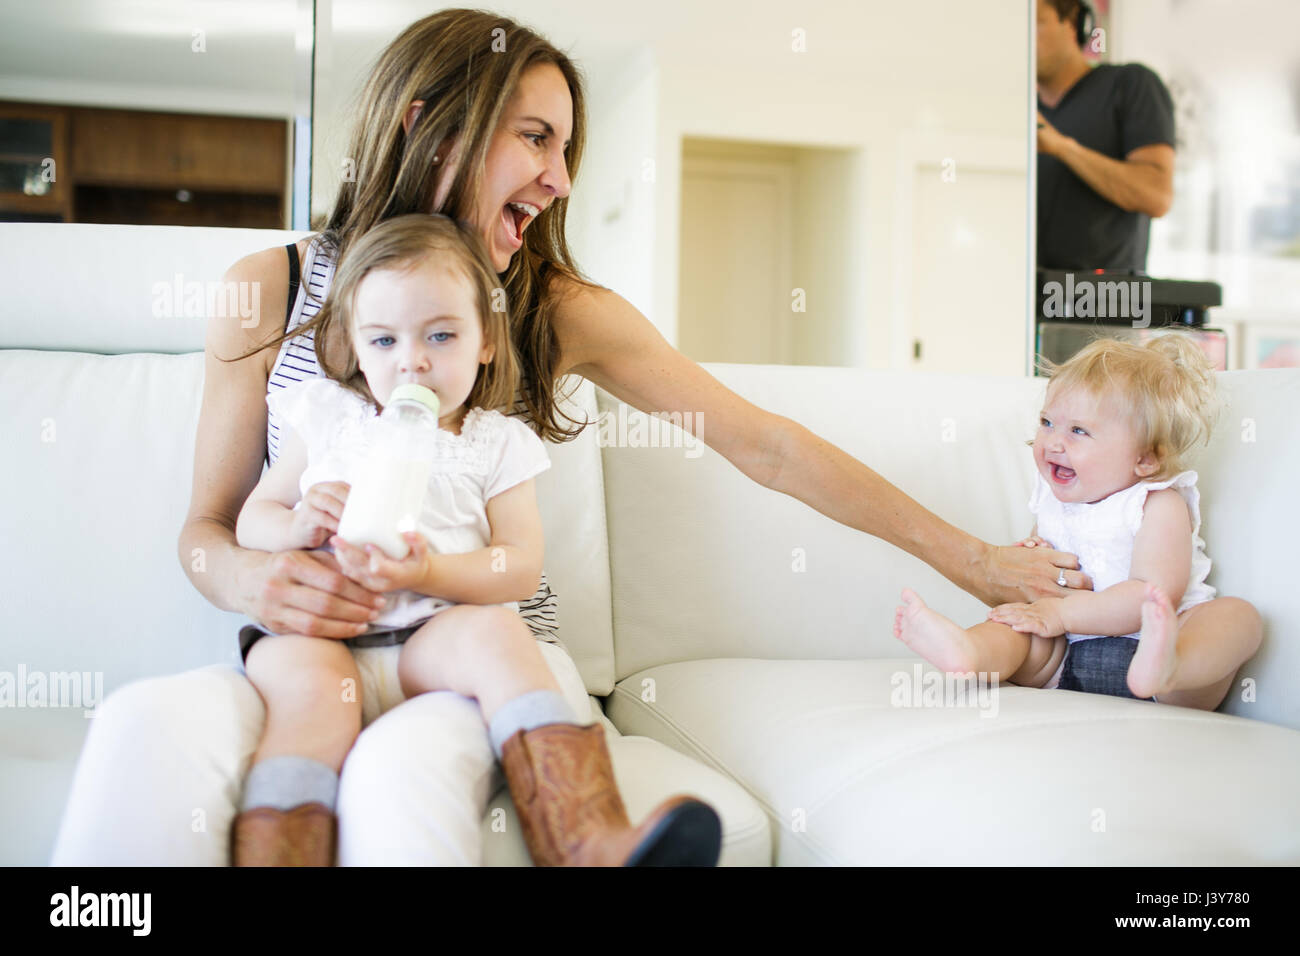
{"points": [[563, 787], [303, 836]]}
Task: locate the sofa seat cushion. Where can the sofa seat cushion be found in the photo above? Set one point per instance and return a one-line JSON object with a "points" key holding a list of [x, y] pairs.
{"points": [[854, 767]]}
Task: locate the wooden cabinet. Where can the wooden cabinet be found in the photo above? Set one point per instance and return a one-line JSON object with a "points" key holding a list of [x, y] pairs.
{"points": [[159, 150], [35, 177], [162, 168]]}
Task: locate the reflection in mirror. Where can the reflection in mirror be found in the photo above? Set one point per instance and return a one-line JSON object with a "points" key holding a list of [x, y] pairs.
{"points": [[1172, 163], [164, 112], [902, 163]]}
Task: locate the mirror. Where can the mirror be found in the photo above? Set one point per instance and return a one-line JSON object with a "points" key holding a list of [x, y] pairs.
{"points": [[1222, 253], [180, 112], [864, 149]]}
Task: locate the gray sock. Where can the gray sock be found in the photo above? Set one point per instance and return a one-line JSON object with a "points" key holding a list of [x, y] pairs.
{"points": [[287, 782], [535, 709]]}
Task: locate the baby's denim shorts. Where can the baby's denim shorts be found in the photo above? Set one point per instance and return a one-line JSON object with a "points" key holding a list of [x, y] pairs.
{"points": [[1099, 666]]}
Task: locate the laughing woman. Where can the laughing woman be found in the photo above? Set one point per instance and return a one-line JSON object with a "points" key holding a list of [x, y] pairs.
{"points": [[472, 115]]}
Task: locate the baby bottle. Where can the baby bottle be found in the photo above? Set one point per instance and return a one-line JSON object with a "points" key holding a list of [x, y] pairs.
{"points": [[390, 484]]}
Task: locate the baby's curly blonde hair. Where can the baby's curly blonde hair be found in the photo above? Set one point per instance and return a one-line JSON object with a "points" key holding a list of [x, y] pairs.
{"points": [[1166, 385]]}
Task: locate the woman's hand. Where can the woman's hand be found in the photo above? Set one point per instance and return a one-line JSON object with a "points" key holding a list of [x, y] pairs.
{"points": [[1033, 541], [373, 569], [317, 517], [1020, 572], [1042, 617], [306, 592]]}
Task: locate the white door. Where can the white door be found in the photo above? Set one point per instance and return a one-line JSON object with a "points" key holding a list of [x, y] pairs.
{"points": [[734, 299]]}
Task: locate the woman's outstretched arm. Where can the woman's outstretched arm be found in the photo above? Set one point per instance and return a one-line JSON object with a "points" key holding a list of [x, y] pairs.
{"points": [[607, 340], [298, 591]]}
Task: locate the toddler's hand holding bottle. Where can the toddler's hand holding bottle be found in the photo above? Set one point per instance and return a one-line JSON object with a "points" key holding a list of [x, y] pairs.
{"points": [[370, 567], [317, 515]]}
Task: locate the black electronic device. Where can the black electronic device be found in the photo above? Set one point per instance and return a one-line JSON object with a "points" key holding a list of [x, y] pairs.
{"points": [[1183, 302], [1076, 306]]}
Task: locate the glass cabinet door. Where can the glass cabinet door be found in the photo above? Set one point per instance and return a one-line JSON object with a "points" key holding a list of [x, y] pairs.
{"points": [[32, 150]]}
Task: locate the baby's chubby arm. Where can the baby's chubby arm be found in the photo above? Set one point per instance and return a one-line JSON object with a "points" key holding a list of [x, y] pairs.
{"points": [[508, 569], [268, 520], [1162, 555]]}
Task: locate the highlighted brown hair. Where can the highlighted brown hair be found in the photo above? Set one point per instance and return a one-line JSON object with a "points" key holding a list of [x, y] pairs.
{"points": [[465, 65]]}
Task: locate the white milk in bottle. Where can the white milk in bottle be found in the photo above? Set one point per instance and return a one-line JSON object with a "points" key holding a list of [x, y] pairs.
{"points": [[386, 496]]}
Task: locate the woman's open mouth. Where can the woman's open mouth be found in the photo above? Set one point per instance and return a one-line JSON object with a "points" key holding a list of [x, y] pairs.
{"points": [[515, 217], [1062, 475]]}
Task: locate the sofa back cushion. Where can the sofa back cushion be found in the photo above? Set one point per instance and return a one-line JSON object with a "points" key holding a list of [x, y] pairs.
{"points": [[1250, 523], [100, 452], [708, 564], [571, 494], [84, 287]]}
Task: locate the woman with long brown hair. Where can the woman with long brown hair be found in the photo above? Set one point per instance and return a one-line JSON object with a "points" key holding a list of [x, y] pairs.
{"points": [[472, 115]]}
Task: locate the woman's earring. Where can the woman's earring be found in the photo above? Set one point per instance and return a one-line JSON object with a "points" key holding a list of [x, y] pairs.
{"points": [[437, 159]]}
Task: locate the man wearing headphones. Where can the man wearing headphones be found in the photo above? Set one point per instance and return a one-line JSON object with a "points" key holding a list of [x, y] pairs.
{"points": [[1105, 149]]}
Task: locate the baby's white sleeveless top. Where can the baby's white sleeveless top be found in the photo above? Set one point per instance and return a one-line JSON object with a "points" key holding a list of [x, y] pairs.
{"points": [[1101, 534]]}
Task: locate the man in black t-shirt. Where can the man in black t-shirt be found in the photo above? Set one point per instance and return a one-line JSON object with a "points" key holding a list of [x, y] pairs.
{"points": [[1105, 151]]}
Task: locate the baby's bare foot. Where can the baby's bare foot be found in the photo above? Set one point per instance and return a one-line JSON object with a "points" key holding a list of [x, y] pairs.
{"points": [[1151, 672], [937, 639]]}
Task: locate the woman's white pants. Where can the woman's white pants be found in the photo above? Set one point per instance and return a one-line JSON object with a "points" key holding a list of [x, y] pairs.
{"points": [[162, 770]]}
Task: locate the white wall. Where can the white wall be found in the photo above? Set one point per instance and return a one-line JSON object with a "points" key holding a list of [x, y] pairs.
{"points": [[611, 222], [829, 256]]}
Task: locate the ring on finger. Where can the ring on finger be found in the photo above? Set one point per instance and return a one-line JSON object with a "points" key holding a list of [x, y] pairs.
{"points": [[1060, 580]]}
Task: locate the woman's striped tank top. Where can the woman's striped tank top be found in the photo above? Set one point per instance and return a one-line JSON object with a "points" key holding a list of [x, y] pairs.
{"points": [[296, 362]]}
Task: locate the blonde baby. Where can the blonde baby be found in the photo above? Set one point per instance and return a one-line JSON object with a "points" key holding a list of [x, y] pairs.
{"points": [[1117, 425]]}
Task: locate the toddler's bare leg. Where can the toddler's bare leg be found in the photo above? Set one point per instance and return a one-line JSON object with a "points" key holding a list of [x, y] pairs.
{"points": [[988, 647], [1190, 660], [312, 691], [486, 652]]}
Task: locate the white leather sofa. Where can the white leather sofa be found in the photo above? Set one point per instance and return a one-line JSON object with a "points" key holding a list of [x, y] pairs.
{"points": [[735, 643]]}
